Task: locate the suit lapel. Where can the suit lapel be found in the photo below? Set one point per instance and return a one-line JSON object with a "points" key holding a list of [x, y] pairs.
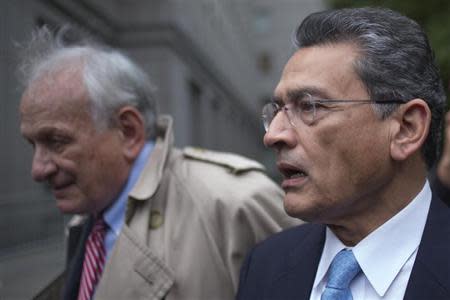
{"points": [[430, 276], [133, 271], [75, 257], [301, 266]]}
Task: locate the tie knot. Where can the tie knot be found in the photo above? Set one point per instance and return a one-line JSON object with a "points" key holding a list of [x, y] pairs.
{"points": [[343, 269], [99, 225]]}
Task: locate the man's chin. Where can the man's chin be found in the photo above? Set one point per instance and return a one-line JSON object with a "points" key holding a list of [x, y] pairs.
{"points": [[299, 207], [66, 206], [293, 202]]}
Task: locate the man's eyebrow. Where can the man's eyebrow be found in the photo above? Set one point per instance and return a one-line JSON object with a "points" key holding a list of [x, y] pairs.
{"points": [[50, 131], [297, 93], [312, 90], [290, 96]]}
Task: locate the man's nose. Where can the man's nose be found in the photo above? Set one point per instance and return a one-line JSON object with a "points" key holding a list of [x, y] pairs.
{"points": [[280, 132], [42, 166]]}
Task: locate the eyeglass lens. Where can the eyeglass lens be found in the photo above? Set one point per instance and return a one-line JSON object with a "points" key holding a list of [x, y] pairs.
{"points": [[303, 109]]}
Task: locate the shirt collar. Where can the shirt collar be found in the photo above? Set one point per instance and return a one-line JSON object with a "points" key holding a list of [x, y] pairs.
{"points": [[387, 248], [114, 216], [332, 247]]}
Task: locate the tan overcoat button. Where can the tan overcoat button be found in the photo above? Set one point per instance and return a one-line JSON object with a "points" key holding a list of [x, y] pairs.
{"points": [[156, 219]]}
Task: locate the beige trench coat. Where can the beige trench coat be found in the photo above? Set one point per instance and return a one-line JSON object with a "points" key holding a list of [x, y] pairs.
{"points": [[191, 218]]}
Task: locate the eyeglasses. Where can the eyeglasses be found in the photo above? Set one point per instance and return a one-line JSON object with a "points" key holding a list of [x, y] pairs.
{"points": [[308, 110]]}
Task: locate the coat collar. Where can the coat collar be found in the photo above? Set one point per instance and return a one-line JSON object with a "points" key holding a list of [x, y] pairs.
{"points": [[151, 176], [133, 270]]}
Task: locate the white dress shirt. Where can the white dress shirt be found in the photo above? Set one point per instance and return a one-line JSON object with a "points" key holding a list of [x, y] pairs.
{"points": [[386, 255]]}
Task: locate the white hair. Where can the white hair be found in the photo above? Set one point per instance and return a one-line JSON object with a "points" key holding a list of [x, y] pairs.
{"points": [[111, 79]]}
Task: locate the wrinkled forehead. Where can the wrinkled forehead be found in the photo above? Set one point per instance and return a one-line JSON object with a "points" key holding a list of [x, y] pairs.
{"points": [[57, 98]]}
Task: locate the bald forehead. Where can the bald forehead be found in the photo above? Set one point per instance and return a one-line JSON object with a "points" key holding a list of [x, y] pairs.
{"points": [[53, 101], [61, 85]]}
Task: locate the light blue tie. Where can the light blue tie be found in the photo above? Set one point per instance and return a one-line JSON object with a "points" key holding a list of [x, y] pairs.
{"points": [[343, 269]]}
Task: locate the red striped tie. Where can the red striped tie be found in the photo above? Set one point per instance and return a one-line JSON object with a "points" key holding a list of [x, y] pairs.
{"points": [[94, 260]]}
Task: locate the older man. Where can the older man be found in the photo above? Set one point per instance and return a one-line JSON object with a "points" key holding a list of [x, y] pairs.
{"points": [[355, 125], [158, 222]]}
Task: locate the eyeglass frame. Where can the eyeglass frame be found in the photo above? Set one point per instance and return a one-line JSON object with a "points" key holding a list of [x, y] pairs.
{"points": [[285, 108]]}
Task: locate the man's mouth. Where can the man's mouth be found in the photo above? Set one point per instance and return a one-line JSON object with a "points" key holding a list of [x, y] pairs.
{"points": [[293, 176], [58, 189]]}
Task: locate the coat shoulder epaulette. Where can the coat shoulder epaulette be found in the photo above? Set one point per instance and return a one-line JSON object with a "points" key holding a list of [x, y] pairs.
{"points": [[234, 163]]}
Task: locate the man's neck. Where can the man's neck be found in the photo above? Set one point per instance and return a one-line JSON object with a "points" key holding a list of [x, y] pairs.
{"points": [[396, 196]]}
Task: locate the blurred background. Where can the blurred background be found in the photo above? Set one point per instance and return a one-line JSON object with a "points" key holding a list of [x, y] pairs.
{"points": [[214, 63]]}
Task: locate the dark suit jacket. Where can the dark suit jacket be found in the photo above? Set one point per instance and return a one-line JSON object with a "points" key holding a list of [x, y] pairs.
{"points": [[75, 257], [284, 266], [66, 285], [438, 188]]}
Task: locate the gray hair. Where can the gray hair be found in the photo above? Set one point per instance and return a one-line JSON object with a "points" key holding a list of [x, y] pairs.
{"points": [[111, 79], [396, 60]]}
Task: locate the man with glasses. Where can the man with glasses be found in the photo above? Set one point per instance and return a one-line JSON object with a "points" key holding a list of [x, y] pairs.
{"points": [[355, 125]]}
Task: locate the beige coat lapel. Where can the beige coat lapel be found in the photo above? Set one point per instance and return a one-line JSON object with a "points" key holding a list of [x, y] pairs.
{"points": [[133, 271]]}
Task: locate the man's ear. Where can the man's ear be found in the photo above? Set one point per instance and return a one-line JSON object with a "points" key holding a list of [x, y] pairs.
{"points": [[132, 129], [412, 123]]}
